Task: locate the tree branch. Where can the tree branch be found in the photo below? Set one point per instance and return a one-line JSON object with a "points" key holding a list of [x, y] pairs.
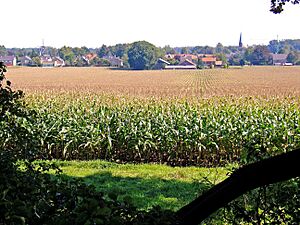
{"points": [[275, 169]]}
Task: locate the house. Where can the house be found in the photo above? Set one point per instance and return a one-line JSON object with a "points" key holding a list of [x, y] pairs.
{"points": [[219, 63], [46, 61], [279, 59], [186, 64], [114, 61], [89, 57], [161, 64], [9, 60], [209, 60], [25, 61], [58, 62], [183, 57]]}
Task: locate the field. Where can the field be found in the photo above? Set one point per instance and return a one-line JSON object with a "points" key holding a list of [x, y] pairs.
{"points": [[207, 119], [202, 118], [248, 81]]}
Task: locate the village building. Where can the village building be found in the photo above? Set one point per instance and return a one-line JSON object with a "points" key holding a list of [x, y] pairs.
{"points": [[161, 64], [89, 57], [46, 61], [219, 63], [279, 59], [58, 62], [9, 60], [186, 64], [25, 61], [209, 60], [114, 61], [190, 61]]}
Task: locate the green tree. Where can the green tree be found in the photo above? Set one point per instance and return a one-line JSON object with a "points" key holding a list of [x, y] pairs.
{"points": [[293, 57], [3, 51], [103, 51], [236, 59], [221, 57], [67, 54], [261, 55], [119, 50], [184, 50], [168, 50], [143, 55], [219, 48]]}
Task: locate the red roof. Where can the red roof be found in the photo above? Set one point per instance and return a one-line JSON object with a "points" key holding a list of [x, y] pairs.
{"points": [[91, 56], [209, 59]]}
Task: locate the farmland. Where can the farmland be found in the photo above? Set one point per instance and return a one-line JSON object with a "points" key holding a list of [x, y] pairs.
{"points": [[202, 118], [249, 81]]}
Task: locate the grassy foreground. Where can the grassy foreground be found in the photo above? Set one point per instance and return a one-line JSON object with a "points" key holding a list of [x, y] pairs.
{"points": [[146, 184]]}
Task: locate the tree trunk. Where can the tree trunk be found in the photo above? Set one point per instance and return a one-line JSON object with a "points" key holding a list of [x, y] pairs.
{"points": [[275, 169]]}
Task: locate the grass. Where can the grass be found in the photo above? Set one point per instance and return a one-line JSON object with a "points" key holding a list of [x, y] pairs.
{"points": [[145, 185]]}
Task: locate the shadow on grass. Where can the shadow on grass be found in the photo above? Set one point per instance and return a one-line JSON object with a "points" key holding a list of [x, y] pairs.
{"points": [[147, 192]]}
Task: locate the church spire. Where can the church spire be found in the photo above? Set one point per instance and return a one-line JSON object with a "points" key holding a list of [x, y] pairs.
{"points": [[240, 42]]}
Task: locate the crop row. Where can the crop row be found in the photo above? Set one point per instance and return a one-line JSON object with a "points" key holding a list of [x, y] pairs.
{"points": [[206, 132]]}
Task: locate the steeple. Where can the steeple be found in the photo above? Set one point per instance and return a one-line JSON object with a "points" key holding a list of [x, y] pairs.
{"points": [[240, 42]]}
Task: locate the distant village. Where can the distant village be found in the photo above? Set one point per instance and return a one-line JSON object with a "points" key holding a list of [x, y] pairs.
{"points": [[183, 61], [278, 53]]}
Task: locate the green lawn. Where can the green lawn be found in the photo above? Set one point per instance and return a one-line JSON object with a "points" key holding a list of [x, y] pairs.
{"points": [[146, 184]]}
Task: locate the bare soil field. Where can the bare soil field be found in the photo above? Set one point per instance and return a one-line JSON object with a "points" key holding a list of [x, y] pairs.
{"points": [[247, 81]]}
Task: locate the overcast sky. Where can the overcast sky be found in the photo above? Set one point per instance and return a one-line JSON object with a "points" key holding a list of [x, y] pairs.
{"points": [[92, 23]]}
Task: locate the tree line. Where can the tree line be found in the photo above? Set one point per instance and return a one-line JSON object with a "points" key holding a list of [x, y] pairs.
{"points": [[144, 55]]}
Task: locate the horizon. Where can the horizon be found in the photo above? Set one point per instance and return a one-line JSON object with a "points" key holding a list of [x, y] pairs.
{"points": [[164, 23]]}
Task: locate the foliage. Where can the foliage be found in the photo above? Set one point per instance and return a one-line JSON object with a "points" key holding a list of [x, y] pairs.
{"points": [[143, 55], [3, 50], [206, 133], [103, 51], [277, 5], [293, 57], [260, 55], [68, 55], [276, 204]]}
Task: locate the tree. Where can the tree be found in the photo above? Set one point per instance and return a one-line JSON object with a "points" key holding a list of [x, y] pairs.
{"points": [[275, 169], [219, 48], [168, 50], [119, 50], [184, 50], [143, 55], [277, 5], [236, 59], [221, 57], [103, 51], [293, 57], [3, 51], [67, 54], [247, 55], [260, 56]]}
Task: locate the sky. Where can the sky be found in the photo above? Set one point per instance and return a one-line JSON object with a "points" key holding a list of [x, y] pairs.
{"points": [[177, 23]]}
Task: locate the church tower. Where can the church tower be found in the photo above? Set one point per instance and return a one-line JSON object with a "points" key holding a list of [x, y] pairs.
{"points": [[240, 42]]}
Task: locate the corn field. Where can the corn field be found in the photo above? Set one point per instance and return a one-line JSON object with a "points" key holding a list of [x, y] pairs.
{"points": [[196, 127]]}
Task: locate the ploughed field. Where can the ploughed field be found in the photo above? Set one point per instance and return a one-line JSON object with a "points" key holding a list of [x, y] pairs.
{"points": [[190, 117]]}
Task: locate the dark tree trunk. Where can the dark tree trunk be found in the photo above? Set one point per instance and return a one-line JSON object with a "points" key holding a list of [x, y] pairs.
{"points": [[275, 169]]}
